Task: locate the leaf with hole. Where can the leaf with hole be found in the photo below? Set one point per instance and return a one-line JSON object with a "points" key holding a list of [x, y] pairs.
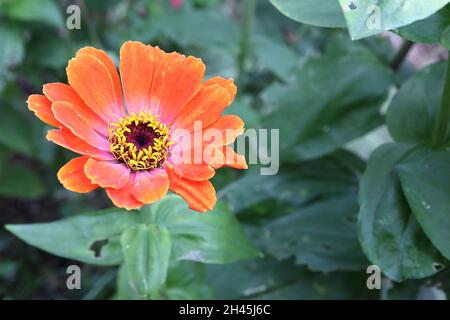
{"points": [[91, 237], [369, 17]]}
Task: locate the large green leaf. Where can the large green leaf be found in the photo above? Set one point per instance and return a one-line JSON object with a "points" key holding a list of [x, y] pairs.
{"points": [[282, 280], [324, 13], [146, 250], [411, 116], [91, 237], [43, 11], [319, 114], [432, 30], [389, 232], [214, 237], [307, 211], [369, 17], [425, 179], [297, 183], [322, 235]]}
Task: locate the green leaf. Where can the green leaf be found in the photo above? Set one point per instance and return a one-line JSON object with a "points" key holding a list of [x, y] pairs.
{"points": [[411, 115], [42, 11], [389, 233], [12, 49], [185, 281], [212, 237], [91, 237], [275, 56], [15, 131], [308, 211], [20, 182], [321, 235], [283, 280], [425, 179], [432, 30], [203, 28], [369, 17], [296, 183], [324, 13], [124, 289], [146, 250], [12, 52], [445, 37], [317, 114]]}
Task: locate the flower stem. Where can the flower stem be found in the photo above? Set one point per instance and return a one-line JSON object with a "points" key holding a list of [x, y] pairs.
{"points": [[440, 130], [245, 41], [401, 55]]}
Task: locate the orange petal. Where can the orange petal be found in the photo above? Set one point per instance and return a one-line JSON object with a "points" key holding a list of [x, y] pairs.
{"points": [[107, 174], [177, 80], [109, 64], [200, 195], [42, 108], [230, 126], [79, 125], [92, 80], [151, 186], [137, 67], [206, 107], [231, 159], [63, 92], [124, 198], [72, 176], [187, 150], [196, 172], [65, 138], [227, 84]]}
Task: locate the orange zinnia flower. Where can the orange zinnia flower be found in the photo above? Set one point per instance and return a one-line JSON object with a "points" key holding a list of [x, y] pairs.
{"points": [[127, 143]]}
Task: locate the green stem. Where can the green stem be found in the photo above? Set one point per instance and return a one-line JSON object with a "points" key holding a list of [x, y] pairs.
{"points": [[401, 55], [245, 42], [440, 130]]}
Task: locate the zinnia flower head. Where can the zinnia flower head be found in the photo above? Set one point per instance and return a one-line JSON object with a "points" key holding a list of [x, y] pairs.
{"points": [[132, 130]]}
